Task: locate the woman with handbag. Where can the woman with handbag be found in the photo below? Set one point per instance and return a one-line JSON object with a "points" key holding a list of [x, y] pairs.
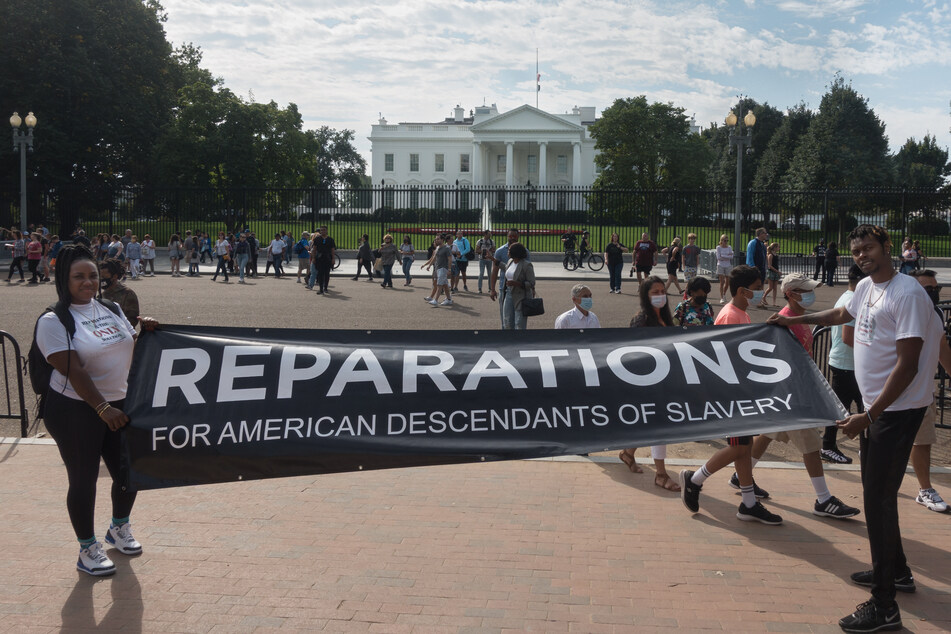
{"points": [[519, 284], [175, 254], [364, 258], [388, 254], [223, 251]]}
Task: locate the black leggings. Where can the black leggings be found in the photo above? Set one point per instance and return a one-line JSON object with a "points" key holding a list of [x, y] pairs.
{"points": [[82, 438], [361, 264], [16, 264]]}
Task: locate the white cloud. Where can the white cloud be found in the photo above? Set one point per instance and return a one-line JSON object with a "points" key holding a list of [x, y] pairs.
{"points": [[344, 62]]}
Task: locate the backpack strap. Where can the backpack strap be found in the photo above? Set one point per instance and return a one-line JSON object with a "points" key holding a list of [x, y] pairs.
{"points": [[108, 303]]}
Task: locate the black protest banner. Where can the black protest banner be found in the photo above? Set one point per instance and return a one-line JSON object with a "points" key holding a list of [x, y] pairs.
{"points": [[224, 404]]}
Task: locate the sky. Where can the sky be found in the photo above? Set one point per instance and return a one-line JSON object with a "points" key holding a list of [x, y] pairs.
{"points": [[344, 62]]}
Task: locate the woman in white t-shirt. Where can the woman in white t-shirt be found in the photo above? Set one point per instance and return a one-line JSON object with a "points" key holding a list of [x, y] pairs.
{"points": [[148, 255], [724, 265], [83, 412]]}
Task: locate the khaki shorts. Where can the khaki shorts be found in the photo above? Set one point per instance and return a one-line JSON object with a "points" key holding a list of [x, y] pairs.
{"points": [[805, 440], [926, 433]]}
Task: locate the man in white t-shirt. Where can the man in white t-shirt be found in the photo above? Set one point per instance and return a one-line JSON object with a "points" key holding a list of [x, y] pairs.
{"points": [[580, 316], [896, 341]]}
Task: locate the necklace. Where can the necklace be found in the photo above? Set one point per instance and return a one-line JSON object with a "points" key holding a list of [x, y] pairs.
{"points": [[868, 302]]}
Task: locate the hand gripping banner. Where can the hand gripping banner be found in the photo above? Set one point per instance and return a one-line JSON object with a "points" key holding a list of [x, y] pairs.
{"points": [[224, 404]]}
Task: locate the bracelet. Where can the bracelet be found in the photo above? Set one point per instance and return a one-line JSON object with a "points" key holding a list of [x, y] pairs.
{"points": [[103, 407], [870, 421], [100, 405]]}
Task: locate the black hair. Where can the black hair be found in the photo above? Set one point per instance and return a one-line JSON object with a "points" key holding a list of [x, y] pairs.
{"points": [[518, 250], [698, 283], [64, 261], [864, 231], [742, 276], [647, 309], [115, 267], [855, 273], [923, 273]]}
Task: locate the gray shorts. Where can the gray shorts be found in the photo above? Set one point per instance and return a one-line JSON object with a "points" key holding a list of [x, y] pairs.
{"points": [[724, 270], [442, 277]]}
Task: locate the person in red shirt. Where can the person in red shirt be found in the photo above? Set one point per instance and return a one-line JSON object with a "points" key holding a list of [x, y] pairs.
{"points": [[800, 294], [746, 287], [34, 253]]}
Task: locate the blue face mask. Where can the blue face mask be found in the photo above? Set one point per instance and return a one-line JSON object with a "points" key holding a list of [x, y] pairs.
{"points": [[807, 299], [757, 296], [586, 303]]}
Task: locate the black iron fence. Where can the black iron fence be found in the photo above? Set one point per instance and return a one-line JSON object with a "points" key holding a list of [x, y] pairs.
{"points": [[795, 219], [12, 371]]}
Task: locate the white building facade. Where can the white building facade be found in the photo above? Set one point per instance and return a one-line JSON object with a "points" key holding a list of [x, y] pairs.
{"points": [[524, 146]]}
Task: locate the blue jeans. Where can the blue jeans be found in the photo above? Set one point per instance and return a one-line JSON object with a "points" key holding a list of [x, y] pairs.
{"points": [[512, 319], [615, 271], [485, 268], [242, 264], [407, 265], [222, 268], [830, 275], [387, 275]]}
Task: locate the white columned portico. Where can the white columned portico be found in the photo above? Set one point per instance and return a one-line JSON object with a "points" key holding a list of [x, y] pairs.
{"points": [[509, 163], [576, 164], [477, 164], [543, 163]]}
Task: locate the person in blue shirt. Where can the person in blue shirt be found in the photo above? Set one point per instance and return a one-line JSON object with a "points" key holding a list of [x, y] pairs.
{"points": [[499, 259], [756, 255], [462, 261]]}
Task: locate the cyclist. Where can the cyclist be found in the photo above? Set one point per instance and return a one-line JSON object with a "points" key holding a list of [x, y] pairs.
{"points": [[568, 240], [584, 247]]}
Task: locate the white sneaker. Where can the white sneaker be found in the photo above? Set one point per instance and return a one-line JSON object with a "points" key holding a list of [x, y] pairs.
{"points": [[445, 302], [430, 300], [931, 499], [93, 561], [121, 537]]}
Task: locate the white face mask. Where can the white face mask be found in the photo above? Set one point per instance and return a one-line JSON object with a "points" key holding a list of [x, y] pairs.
{"points": [[658, 301]]}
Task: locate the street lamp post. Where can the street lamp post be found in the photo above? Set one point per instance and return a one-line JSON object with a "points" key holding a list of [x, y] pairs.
{"points": [[22, 141], [742, 140]]}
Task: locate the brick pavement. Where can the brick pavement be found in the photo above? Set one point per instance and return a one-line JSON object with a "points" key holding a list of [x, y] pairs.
{"points": [[548, 546]]}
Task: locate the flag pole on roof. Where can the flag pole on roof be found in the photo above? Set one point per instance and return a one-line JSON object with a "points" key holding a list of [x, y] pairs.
{"points": [[538, 79]]}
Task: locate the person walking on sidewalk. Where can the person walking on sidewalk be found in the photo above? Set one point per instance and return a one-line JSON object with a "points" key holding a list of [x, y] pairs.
{"points": [[223, 251], [614, 256], [485, 247], [897, 335]]}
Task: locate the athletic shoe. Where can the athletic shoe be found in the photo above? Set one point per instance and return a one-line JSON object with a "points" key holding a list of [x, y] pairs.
{"points": [[430, 300], [931, 499], [758, 492], [758, 513], [446, 302], [834, 507], [723, 300], [835, 456], [93, 561], [308, 287], [869, 617], [689, 492], [121, 537], [298, 280], [905, 583]]}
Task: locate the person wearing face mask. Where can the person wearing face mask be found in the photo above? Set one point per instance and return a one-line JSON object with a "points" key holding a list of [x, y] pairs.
{"points": [[800, 293], [695, 311], [927, 436], [111, 272], [580, 316], [655, 311], [746, 287]]}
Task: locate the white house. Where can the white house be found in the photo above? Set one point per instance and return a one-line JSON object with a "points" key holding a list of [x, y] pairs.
{"points": [[487, 149]]}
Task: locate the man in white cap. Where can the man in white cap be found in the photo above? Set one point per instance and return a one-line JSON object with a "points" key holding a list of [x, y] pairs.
{"points": [[800, 294]]}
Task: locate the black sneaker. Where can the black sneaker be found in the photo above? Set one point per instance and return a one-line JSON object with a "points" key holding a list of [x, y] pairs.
{"points": [[904, 583], [835, 456], [758, 492], [758, 513], [834, 507], [869, 617], [689, 492]]}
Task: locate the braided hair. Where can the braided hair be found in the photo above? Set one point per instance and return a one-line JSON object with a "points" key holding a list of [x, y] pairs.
{"points": [[64, 261], [114, 266]]}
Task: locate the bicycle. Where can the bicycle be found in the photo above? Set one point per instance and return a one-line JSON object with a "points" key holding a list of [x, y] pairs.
{"points": [[594, 261]]}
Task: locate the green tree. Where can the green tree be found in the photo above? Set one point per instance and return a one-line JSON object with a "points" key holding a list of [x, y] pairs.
{"points": [[96, 74], [844, 147], [922, 164], [774, 161]]}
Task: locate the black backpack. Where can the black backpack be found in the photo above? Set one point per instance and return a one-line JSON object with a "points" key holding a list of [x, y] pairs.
{"points": [[38, 368]]}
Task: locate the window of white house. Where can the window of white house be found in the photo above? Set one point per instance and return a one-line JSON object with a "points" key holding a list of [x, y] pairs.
{"points": [[532, 164], [388, 162], [464, 163], [414, 162], [500, 163], [440, 162], [561, 163]]}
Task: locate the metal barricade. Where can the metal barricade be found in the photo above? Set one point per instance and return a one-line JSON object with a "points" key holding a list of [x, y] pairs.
{"points": [[14, 367], [821, 344]]}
